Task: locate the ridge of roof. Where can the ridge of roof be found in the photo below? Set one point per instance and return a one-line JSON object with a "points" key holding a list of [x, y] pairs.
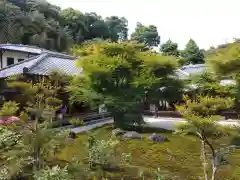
{"points": [[34, 49], [45, 55], [60, 55], [41, 58], [20, 45]]}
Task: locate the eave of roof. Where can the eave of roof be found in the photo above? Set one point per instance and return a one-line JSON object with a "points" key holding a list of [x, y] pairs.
{"points": [[21, 48], [42, 64]]}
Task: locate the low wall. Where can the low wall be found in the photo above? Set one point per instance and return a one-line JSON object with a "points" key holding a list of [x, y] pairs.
{"points": [[173, 114], [89, 117]]}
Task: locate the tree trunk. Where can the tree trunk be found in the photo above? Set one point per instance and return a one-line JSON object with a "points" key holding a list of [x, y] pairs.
{"points": [[214, 170], [36, 153], [118, 119], [214, 167], [214, 157], [204, 160]]}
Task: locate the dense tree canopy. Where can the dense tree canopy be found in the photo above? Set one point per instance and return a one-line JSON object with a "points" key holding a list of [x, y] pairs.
{"points": [[45, 25], [40, 23], [208, 83], [146, 34], [170, 48], [192, 54], [226, 60], [121, 76]]}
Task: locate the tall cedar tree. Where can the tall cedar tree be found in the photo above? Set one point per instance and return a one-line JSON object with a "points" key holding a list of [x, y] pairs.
{"points": [[192, 54], [148, 35], [170, 48]]}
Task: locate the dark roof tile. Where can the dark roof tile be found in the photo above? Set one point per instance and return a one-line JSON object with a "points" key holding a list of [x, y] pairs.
{"points": [[43, 64], [191, 69]]}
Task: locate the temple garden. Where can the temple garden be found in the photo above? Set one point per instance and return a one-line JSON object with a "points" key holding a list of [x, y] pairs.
{"points": [[123, 78]]}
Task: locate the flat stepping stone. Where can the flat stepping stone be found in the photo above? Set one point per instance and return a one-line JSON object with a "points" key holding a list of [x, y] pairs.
{"points": [[132, 135], [157, 138]]}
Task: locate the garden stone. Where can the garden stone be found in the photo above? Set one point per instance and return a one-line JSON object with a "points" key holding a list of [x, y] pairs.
{"points": [[117, 132], [157, 138], [72, 135], [132, 135]]}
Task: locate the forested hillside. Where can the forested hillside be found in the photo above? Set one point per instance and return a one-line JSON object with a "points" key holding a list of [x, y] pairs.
{"points": [[40, 23]]}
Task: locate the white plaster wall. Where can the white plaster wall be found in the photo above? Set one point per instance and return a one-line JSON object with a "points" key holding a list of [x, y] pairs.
{"points": [[152, 107], [15, 55]]}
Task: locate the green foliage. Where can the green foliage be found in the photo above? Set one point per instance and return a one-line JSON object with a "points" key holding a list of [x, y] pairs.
{"points": [[54, 173], [77, 122], [45, 25], [202, 115], [226, 61], [170, 49], [205, 106], [101, 152], [178, 158], [10, 24], [146, 34], [120, 75], [158, 174], [40, 96], [126, 158], [117, 28], [192, 54], [209, 84], [8, 109], [30, 146]]}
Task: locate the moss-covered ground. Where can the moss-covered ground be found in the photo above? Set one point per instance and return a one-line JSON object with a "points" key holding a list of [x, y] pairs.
{"points": [[178, 159]]}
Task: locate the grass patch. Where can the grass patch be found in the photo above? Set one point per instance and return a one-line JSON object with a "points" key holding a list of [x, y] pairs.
{"points": [[178, 159]]}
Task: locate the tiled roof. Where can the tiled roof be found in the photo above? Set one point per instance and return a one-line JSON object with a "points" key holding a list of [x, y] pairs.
{"points": [[21, 48], [192, 69], [185, 71], [42, 64], [28, 49], [180, 73]]}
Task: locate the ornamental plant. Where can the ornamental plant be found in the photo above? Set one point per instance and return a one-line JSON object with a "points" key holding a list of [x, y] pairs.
{"points": [[28, 144], [202, 116]]}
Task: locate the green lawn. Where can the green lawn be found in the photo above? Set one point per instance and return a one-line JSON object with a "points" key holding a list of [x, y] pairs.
{"points": [[178, 159]]}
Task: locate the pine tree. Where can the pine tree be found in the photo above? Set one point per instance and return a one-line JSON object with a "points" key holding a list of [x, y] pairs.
{"points": [[29, 143], [202, 116], [192, 54], [170, 49]]}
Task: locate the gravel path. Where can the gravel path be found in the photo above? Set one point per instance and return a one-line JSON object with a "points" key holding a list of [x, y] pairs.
{"points": [[160, 122], [169, 123], [89, 127]]}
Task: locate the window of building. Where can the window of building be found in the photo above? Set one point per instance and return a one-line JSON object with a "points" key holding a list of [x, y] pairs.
{"points": [[19, 60], [10, 61]]}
